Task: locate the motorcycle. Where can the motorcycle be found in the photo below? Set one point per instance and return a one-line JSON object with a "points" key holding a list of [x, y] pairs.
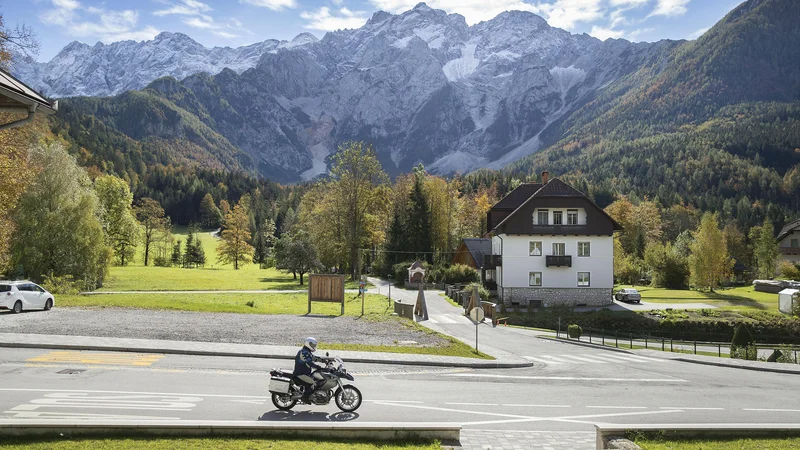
{"points": [[286, 391]]}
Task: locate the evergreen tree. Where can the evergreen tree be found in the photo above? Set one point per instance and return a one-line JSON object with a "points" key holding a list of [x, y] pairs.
{"points": [[418, 222], [189, 252], [264, 242], [210, 215], [199, 253], [176, 254]]}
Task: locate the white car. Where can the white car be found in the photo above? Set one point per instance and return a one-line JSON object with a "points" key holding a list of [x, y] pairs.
{"points": [[23, 295]]}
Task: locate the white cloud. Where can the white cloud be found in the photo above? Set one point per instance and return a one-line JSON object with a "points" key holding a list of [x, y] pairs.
{"points": [[275, 5], [567, 13], [670, 8], [698, 33], [628, 3], [103, 24], [473, 11], [337, 2], [606, 33], [323, 20], [633, 36], [184, 8]]}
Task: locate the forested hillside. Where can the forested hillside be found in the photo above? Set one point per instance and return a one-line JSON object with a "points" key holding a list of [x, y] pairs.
{"points": [[714, 123]]}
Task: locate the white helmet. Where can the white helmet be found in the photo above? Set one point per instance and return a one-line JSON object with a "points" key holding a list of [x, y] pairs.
{"points": [[311, 343]]}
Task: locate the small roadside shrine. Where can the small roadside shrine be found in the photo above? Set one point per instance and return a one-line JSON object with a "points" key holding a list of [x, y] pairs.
{"points": [[416, 273]]}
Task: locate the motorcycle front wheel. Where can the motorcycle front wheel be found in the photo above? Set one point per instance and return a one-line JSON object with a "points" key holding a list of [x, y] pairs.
{"points": [[284, 402], [348, 399]]}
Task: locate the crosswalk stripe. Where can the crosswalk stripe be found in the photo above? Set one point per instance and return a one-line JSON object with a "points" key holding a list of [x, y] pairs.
{"points": [[554, 358], [584, 359], [532, 358], [633, 358]]}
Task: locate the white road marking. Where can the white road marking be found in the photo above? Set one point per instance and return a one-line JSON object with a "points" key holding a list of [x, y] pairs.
{"points": [[555, 359], [771, 410], [433, 408], [620, 407], [80, 416], [636, 358], [569, 419], [251, 402], [393, 401], [584, 359], [472, 404], [692, 408], [536, 406], [522, 377], [133, 392], [532, 358]]}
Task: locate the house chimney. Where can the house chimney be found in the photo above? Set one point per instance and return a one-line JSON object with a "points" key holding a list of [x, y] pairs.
{"points": [[545, 177]]}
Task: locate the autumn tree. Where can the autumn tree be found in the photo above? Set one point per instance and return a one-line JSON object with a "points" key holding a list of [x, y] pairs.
{"points": [[235, 246], [210, 215], [357, 184], [119, 223], [709, 262], [765, 250], [641, 224], [151, 215], [59, 231], [21, 39]]}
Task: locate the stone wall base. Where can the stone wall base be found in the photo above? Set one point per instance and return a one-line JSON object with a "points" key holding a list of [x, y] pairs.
{"points": [[547, 297]]}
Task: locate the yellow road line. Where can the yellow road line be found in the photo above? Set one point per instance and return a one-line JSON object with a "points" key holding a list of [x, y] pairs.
{"points": [[120, 359]]}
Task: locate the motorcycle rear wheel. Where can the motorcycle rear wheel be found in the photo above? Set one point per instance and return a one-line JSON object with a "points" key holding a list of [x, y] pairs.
{"points": [[348, 399], [284, 402]]}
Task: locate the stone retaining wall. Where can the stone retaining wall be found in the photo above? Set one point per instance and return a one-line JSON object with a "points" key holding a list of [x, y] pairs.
{"points": [[555, 296]]}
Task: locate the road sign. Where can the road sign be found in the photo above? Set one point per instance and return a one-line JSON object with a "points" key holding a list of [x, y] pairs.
{"points": [[477, 314]]}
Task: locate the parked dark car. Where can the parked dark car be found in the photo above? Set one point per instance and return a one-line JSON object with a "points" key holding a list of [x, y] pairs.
{"points": [[628, 295]]}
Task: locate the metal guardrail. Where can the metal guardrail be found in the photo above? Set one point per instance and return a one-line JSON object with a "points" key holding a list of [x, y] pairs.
{"points": [[649, 342]]}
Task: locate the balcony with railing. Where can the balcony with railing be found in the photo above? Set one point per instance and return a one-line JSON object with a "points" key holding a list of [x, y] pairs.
{"points": [[558, 261], [492, 261], [578, 230], [789, 250]]}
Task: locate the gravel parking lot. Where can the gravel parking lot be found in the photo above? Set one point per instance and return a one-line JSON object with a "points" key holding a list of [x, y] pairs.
{"points": [[213, 327]]}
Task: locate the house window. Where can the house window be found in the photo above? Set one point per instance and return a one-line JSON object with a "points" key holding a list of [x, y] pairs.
{"points": [[583, 279], [583, 249], [558, 218], [535, 279], [572, 217], [536, 248], [794, 243], [559, 249], [543, 217]]}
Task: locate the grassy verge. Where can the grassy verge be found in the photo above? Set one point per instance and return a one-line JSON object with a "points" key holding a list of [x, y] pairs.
{"points": [[249, 277], [731, 444], [375, 307], [210, 443], [449, 300], [734, 299]]}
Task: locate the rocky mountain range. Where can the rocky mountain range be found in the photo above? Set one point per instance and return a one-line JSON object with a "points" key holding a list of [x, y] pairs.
{"points": [[102, 70], [421, 87]]}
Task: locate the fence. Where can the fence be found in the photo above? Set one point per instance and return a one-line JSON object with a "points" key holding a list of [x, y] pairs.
{"points": [[404, 310], [647, 341]]}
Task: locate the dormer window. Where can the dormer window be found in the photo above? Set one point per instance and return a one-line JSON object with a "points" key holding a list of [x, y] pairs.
{"points": [[543, 217], [558, 218], [572, 217]]}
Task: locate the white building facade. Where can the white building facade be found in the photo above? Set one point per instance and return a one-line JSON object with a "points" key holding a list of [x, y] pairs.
{"points": [[555, 247], [789, 243]]}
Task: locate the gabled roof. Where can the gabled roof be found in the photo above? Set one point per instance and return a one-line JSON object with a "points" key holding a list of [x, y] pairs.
{"points": [[14, 93], [788, 228], [477, 247], [518, 196], [554, 188]]}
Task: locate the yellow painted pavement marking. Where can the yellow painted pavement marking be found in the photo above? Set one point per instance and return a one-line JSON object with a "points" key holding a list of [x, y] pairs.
{"points": [[118, 359]]}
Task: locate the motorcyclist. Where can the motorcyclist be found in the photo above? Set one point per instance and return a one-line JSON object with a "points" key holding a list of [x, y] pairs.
{"points": [[305, 368]]}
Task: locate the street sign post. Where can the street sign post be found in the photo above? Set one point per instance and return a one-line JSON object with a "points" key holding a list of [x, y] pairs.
{"points": [[362, 289], [477, 315]]}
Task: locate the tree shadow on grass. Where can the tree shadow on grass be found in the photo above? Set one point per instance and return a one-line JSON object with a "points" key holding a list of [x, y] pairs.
{"points": [[736, 300]]}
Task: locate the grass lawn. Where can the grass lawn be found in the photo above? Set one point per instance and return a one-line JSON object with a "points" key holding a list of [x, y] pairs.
{"points": [[209, 443], [738, 298], [212, 277], [732, 444], [450, 300], [376, 308]]}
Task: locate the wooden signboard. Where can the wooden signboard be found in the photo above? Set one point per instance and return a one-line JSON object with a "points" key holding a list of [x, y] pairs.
{"points": [[325, 288]]}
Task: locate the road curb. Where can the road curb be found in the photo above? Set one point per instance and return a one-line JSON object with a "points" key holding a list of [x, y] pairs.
{"points": [[478, 364], [586, 344], [377, 431]]}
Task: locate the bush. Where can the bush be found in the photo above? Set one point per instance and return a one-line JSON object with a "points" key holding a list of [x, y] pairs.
{"points": [[742, 344], [574, 331], [435, 274], [482, 291], [789, 270], [61, 285], [160, 261], [460, 273], [400, 271]]}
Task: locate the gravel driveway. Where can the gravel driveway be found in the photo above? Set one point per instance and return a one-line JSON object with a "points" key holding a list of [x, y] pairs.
{"points": [[213, 327]]}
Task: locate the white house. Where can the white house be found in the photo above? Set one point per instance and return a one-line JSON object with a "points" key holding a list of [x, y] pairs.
{"points": [[789, 242], [551, 245]]}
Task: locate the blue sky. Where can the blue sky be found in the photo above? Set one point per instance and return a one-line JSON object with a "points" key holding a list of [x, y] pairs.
{"points": [[240, 22]]}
